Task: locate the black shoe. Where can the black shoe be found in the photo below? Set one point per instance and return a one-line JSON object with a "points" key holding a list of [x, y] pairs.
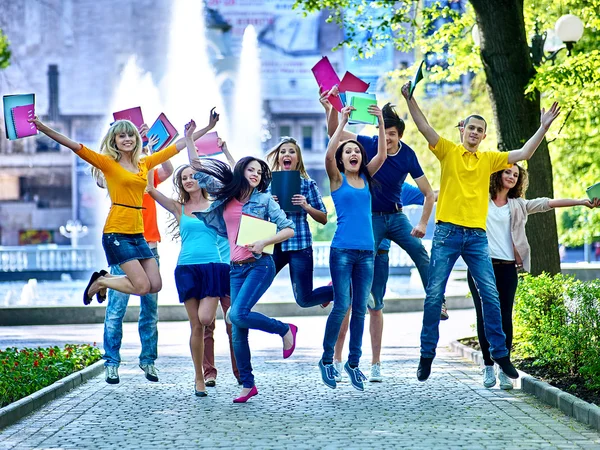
{"points": [[210, 382], [424, 369], [507, 367], [99, 296], [86, 298]]}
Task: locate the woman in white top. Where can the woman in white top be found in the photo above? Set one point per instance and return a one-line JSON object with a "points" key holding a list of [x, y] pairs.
{"points": [[509, 250]]}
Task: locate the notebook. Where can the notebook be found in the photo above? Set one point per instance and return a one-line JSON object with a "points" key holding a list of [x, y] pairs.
{"points": [[326, 79], [285, 184], [159, 131], [10, 102], [593, 191], [21, 116], [253, 229], [352, 83], [361, 101], [207, 145], [132, 114], [418, 77], [169, 127]]}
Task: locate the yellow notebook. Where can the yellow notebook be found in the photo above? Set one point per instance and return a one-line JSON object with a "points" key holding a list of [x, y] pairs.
{"points": [[253, 229]]}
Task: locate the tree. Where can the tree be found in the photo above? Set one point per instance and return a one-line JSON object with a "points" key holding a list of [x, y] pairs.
{"points": [[4, 51], [503, 56]]}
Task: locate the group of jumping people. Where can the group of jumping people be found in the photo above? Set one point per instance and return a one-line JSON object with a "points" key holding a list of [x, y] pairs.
{"points": [[480, 215]]}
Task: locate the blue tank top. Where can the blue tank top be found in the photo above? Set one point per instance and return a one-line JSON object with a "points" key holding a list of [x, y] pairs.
{"points": [[354, 227], [198, 242], [223, 245]]}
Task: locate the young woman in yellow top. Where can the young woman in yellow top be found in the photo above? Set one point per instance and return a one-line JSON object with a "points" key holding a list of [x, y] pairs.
{"points": [[125, 169]]}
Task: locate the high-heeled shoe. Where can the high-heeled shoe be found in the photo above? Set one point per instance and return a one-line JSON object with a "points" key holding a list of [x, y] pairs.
{"points": [[248, 396], [287, 353], [101, 298], [200, 393], [86, 298]]}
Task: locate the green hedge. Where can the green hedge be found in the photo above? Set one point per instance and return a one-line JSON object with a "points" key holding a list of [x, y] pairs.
{"points": [[25, 371], [557, 323]]}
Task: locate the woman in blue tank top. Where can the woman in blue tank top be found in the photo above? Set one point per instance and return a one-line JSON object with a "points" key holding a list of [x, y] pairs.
{"points": [[352, 253], [201, 276]]}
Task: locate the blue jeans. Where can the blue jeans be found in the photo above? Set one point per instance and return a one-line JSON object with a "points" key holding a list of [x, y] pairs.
{"points": [[381, 274], [348, 268], [301, 275], [248, 283], [113, 323], [449, 242], [397, 228]]}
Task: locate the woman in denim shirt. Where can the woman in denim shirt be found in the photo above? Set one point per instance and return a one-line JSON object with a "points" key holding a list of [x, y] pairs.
{"points": [[352, 249], [298, 251], [237, 192]]}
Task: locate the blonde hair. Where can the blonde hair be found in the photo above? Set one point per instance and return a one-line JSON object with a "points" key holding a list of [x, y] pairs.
{"points": [[273, 156], [109, 146]]}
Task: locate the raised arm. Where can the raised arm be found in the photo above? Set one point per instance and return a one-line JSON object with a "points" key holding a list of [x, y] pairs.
{"points": [[566, 202], [55, 135], [166, 169], [230, 159], [430, 198], [335, 177], [378, 160], [419, 118], [212, 121], [332, 115], [168, 203], [527, 151], [188, 137]]}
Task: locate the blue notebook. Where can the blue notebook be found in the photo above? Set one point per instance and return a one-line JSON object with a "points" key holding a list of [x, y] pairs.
{"points": [[158, 129], [10, 102]]}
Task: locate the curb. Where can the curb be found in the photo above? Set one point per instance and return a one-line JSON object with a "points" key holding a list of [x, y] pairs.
{"points": [[19, 409], [572, 406]]}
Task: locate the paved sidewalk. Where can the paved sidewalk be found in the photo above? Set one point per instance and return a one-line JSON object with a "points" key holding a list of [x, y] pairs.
{"points": [[293, 408]]}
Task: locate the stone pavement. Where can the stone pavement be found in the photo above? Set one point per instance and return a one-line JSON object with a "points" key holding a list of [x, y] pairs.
{"points": [[293, 408]]}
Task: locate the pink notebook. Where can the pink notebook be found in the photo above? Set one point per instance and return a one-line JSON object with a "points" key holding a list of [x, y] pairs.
{"points": [[21, 115], [132, 114], [326, 79], [352, 83], [207, 145]]}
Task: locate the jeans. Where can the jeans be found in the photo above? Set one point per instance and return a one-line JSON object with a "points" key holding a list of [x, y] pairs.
{"points": [[449, 242], [506, 283], [301, 275], [381, 274], [348, 268], [397, 228], [113, 323], [248, 283]]}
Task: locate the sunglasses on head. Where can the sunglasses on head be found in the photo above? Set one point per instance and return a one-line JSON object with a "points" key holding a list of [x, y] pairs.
{"points": [[285, 139]]}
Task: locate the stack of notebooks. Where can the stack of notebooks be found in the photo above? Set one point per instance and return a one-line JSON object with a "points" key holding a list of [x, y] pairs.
{"points": [[18, 109]]}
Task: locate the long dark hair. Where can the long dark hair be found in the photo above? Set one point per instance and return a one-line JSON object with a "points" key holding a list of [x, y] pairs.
{"points": [[233, 183], [362, 170], [182, 196]]}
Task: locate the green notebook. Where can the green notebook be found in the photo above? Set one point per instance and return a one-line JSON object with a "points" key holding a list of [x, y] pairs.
{"points": [[361, 101], [418, 77], [593, 191]]}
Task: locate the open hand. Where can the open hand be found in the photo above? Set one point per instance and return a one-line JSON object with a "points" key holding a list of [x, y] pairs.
{"points": [[547, 117], [144, 130], [152, 141]]}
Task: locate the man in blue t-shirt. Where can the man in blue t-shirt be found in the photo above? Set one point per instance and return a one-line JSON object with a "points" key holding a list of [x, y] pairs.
{"points": [[389, 222]]}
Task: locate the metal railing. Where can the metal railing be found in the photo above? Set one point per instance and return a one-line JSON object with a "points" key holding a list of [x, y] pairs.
{"points": [[47, 258], [398, 257]]}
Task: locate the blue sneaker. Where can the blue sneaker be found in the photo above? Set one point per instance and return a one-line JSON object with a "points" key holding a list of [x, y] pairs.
{"points": [[356, 377], [328, 374]]}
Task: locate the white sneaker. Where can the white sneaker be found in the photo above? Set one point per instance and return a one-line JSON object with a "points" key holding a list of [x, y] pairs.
{"points": [[338, 367], [489, 377], [505, 382], [376, 373], [227, 319]]}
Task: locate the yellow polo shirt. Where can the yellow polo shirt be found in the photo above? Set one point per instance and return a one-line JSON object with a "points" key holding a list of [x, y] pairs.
{"points": [[465, 183], [125, 188]]}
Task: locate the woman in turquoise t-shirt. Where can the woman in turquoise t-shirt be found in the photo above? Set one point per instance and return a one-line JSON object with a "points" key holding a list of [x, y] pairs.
{"points": [[351, 256]]}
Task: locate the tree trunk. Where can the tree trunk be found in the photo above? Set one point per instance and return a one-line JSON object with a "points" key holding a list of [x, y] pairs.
{"points": [[508, 68]]}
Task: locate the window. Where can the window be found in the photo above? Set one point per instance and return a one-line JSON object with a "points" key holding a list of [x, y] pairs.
{"points": [[307, 138], [285, 130]]}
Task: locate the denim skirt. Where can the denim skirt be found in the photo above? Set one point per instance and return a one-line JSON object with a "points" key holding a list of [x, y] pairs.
{"points": [[202, 280], [121, 248]]}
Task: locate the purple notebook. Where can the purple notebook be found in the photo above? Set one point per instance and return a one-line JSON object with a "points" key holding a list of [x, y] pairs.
{"points": [[21, 116], [327, 78]]}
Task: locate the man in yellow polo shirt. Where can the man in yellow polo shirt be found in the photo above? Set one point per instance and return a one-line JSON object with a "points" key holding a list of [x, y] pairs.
{"points": [[460, 225]]}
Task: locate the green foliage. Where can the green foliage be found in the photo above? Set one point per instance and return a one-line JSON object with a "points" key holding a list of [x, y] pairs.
{"points": [[557, 322], [25, 371], [4, 51]]}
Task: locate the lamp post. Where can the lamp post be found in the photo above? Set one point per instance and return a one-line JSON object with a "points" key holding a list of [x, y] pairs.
{"points": [[568, 28], [73, 230]]}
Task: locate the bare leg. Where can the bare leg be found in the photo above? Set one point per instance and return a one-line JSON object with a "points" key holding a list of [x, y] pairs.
{"points": [[196, 341], [376, 329], [141, 277]]}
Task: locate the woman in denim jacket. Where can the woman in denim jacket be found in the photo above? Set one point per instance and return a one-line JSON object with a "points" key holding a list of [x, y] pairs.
{"points": [[510, 252], [237, 192]]}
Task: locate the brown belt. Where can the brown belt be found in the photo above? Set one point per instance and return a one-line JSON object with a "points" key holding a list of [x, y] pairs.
{"points": [[244, 261], [502, 261]]}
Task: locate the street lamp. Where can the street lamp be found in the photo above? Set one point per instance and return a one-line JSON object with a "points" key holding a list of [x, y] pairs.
{"points": [[568, 28]]}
